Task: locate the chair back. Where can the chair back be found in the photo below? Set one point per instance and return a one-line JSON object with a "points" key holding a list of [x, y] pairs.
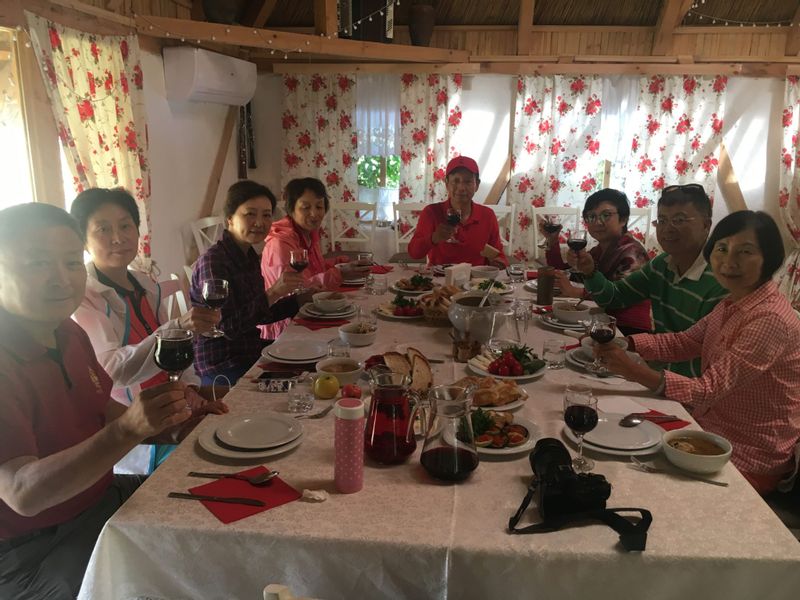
{"points": [[172, 291], [406, 215], [570, 219], [352, 224], [207, 232], [639, 224], [505, 221]]}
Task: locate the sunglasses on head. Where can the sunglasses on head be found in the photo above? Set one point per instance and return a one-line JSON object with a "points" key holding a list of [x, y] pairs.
{"points": [[684, 187]]}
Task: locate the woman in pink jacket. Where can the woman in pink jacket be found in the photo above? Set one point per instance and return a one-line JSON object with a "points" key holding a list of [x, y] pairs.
{"points": [[307, 203]]}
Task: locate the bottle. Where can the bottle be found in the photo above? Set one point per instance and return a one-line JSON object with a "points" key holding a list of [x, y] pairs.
{"points": [[545, 283], [348, 470]]}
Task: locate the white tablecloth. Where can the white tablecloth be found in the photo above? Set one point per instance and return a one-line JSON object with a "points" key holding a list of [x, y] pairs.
{"points": [[404, 536]]}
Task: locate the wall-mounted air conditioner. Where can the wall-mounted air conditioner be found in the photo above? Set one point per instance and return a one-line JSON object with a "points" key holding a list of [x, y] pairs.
{"points": [[198, 75]]}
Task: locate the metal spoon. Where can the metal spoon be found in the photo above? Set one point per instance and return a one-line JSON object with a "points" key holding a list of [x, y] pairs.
{"points": [[634, 419], [257, 480]]}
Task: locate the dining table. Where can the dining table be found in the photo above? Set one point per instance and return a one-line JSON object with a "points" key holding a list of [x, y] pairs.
{"points": [[406, 535]]}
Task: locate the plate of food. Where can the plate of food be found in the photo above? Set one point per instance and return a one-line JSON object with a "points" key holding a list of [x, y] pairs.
{"points": [[511, 361], [502, 433], [493, 393], [416, 285], [402, 307], [481, 285]]}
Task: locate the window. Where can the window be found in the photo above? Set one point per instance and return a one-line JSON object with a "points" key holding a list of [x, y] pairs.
{"points": [[379, 172]]}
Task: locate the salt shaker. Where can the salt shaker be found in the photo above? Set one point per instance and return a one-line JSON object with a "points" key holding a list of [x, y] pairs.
{"points": [[348, 470]]}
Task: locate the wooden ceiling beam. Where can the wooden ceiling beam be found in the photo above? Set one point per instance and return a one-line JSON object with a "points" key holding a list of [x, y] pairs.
{"points": [[671, 15], [258, 11], [325, 18], [793, 37], [296, 43], [399, 68], [524, 24]]}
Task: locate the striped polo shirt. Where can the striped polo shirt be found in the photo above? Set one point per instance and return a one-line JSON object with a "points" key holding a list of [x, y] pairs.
{"points": [[678, 301]]}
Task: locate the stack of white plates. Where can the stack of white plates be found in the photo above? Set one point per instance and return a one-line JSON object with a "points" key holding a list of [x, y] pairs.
{"points": [[609, 437], [296, 351], [551, 320], [257, 436], [310, 310]]}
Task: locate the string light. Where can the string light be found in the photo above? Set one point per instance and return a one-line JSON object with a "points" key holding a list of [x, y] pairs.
{"points": [[379, 11], [713, 18]]}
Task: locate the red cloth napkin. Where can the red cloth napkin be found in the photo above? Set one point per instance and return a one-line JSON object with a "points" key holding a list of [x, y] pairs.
{"points": [[531, 274], [543, 309], [573, 346], [667, 425], [380, 269], [276, 493], [314, 325], [348, 288]]}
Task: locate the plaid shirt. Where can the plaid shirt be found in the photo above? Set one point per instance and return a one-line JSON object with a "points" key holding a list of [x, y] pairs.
{"points": [[246, 308], [749, 390]]}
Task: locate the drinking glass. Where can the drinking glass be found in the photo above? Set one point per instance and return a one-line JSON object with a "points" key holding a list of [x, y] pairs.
{"points": [[298, 260], [553, 353], [577, 240], [380, 284], [338, 349], [516, 272], [365, 259], [453, 218], [173, 352], [215, 293], [550, 224], [523, 313], [602, 329], [580, 415], [301, 394]]}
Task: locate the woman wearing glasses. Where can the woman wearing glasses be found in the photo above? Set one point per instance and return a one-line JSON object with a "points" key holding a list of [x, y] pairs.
{"points": [[749, 388], [616, 255]]}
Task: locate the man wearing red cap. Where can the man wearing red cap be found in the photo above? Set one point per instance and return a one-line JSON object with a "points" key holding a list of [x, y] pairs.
{"points": [[458, 229]]}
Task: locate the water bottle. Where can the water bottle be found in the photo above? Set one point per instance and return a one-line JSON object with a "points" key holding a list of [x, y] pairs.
{"points": [[348, 470]]}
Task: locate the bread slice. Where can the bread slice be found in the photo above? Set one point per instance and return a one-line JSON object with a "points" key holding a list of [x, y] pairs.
{"points": [[397, 363], [421, 374], [411, 352]]}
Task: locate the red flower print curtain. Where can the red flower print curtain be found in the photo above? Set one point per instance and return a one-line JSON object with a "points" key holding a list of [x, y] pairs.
{"points": [[789, 189], [94, 84], [555, 148], [675, 137]]}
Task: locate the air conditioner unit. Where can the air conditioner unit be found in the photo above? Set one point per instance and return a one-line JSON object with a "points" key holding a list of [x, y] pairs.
{"points": [[198, 75]]}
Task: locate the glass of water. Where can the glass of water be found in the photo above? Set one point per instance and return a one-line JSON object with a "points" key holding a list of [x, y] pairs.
{"points": [[338, 349], [301, 394], [554, 353], [516, 272]]}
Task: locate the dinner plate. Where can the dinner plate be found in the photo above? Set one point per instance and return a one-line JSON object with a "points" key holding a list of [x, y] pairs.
{"points": [[397, 290], [473, 286], [610, 451], [510, 406], [534, 434], [259, 432], [307, 311], [551, 321], [581, 358], [610, 434], [304, 350], [354, 282], [386, 312], [209, 443], [535, 375]]}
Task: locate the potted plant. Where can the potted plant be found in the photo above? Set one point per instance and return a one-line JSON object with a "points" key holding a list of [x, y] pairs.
{"points": [[421, 19]]}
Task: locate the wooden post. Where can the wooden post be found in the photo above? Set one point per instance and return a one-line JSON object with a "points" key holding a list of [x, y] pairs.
{"points": [[493, 197], [219, 162], [258, 11], [325, 21], [671, 15], [793, 37], [524, 24]]}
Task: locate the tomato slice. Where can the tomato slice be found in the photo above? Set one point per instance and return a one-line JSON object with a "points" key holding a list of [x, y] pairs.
{"points": [[500, 440], [515, 439], [483, 441]]}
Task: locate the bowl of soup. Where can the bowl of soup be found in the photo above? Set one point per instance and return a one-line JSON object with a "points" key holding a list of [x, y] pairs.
{"points": [[346, 370], [696, 451], [484, 272], [568, 313]]}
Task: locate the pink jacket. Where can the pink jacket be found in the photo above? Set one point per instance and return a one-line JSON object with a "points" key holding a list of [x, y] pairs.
{"points": [[285, 236]]}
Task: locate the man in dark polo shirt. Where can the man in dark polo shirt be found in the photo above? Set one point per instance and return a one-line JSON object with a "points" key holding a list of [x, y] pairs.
{"points": [[60, 433]]}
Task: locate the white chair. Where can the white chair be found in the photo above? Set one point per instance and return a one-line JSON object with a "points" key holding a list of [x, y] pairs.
{"points": [[172, 292], [406, 215], [505, 220], [206, 232], [639, 223], [188, 269], [570, 220], [352, 223]]}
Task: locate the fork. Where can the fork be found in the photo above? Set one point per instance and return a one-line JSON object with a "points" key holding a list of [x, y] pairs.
{"points": [[648, 468], [318, 415]]}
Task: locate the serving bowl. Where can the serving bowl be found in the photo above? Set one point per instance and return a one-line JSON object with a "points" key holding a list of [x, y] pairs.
{"points": [[696, 463], [346, 370], [565, 311], [484, 272], [466, 316], [350, 333], [329, 301]]}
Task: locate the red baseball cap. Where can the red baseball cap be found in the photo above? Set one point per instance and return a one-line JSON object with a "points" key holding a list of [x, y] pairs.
{"points": [[462, 162]]}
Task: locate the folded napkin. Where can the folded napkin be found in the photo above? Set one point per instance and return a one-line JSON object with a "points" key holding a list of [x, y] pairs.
{"points": [[543, 309], [572, 346], [380, 269], [531, 274], [666, 425], [276, 493], [313, 325]]}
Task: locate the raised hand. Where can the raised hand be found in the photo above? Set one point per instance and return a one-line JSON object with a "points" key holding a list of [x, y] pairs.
{"points": [[200, 319], [156, 409]]}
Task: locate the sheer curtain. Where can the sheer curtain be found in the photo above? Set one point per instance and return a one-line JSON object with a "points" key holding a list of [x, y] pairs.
{"points": [[378, 126]]}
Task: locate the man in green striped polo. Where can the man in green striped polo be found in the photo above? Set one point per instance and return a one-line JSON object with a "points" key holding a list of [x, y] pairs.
{"points": [[678, 282]]}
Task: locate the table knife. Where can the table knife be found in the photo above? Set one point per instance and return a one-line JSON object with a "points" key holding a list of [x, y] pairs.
{"points": [[228, 499]]}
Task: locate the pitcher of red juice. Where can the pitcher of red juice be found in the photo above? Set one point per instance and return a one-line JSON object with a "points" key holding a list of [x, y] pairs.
{"points": [[389, 434], [449, 452]]}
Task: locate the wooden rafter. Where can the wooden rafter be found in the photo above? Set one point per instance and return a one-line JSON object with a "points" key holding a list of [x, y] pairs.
{"points": [[524, 25], [325, 21], [793, 37], [671, 15], [258, 11]]}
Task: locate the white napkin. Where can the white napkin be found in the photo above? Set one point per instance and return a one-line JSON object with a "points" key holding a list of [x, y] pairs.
{"points": [[619, 404]]}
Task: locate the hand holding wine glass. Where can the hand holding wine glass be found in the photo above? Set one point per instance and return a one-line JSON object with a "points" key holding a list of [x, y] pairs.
{"points": [[577, 241], [453, 219], [215, 294], [602, 330], [580, 415], [174, 353], [550, 226]]}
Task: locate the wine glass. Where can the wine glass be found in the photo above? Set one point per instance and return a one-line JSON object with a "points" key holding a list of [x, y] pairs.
{"points": [[602, 329], [577, 240], [453, 219], [174, 353], [550, 224], [580, 415], [215, 293], [298, 260]]}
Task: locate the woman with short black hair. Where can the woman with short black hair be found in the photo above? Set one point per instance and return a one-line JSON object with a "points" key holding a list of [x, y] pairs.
{"points": [[749, 389]]}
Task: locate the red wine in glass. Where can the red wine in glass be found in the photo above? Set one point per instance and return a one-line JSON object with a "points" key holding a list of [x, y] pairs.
{"points": [[576, 244], [174, 353], [215, 293], [580, 415], [453, 218], [299, 265], [580, 419], [550, 227], [449, 464], [215, 301], [602, 335]]}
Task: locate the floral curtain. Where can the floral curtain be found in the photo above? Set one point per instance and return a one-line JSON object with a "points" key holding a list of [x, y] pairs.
{"points": [[674, 137], [430, 115], [94, 84], [319, 133], [555, 148], [789, 189]]}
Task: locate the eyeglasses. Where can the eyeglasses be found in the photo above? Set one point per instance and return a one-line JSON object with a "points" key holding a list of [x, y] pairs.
{"points": [[676, 222], [685, 187], [602, 218]]}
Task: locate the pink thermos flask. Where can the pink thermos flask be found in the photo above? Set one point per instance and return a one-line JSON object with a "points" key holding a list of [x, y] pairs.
{"points": [[348, 470]]}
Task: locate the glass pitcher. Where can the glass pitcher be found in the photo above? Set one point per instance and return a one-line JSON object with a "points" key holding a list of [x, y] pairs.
{"points": [[449, 450], [389, 434]]}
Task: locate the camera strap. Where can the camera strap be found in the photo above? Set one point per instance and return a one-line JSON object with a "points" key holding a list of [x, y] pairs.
{"points": [[632, 533]]}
